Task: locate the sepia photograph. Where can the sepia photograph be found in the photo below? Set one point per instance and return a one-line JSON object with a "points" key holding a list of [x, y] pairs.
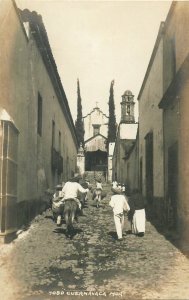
{"points": [[94, 150]]}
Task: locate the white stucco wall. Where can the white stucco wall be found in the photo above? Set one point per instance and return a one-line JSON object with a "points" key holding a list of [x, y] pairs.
{"points": [[96, 143], [151, 120], [23, 75], [96, 117], [128, 131]]}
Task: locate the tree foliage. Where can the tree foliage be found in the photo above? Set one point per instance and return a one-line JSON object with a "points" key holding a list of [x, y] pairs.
{"points": [[112, 118], [79, 126]]}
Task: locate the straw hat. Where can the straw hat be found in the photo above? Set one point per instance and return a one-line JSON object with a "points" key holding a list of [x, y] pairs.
{"points": [[58, 187], [116, 190]]}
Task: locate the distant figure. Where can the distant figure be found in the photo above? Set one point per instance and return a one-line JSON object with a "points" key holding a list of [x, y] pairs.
{"points": [[123, 189], [119, 204], [56, 203], [137, 213], [114, 184], [83, 196], [88, 182], [58, 192], [98, 192], [119, 186]]}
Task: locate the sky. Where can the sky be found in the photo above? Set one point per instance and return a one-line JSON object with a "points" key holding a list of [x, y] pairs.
{"points": [[100, 41]]}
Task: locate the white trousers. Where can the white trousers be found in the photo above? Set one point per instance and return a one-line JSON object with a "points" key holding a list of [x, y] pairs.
{"points": [[98, 195], [119, 224]]}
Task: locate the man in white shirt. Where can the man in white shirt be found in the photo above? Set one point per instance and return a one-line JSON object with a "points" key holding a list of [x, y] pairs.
{"points": [[119, 204], [71, 190], [98, 192]]}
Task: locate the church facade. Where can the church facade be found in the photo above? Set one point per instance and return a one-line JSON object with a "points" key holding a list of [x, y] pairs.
{"points": [[95, 138]]}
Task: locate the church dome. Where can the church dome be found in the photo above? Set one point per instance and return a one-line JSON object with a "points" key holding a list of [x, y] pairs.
{"points": [[127, 93]]}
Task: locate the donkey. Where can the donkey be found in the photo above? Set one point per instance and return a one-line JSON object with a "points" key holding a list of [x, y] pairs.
{"points": [[70, 211]]}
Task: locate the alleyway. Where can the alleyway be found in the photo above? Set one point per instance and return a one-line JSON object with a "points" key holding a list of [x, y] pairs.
{"points": [[43, 264]]}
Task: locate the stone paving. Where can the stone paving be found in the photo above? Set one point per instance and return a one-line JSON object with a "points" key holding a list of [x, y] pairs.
{"points": [[42, 263]]}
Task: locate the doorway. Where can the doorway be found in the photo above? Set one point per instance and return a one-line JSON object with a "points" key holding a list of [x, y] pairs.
{"points": [[149, 168], [172, 185]]}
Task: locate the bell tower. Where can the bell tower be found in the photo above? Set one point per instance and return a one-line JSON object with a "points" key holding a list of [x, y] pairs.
{"points": [[127, 107]]}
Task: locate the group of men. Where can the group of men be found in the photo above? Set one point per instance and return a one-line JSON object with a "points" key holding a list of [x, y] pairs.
{"points": [[119, 203]]}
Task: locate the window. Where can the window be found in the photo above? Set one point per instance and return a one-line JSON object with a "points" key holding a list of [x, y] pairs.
{"points": [[128, 110], [96, 129], [149, 167], [39, 115]]}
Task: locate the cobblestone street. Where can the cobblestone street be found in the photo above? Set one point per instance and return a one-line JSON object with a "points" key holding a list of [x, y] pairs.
{"points": [[42, 263]]}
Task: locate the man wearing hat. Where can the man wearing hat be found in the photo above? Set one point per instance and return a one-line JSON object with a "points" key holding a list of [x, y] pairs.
{"points": [[119, 204], [72, 188], [56, 203]]}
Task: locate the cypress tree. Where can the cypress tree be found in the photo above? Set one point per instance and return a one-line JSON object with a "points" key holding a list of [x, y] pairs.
{"points": [[79, 126], [112, 118]]}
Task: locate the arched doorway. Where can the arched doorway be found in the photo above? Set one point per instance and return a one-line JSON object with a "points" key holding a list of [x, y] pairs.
{"points": [[96, 164], [96, 160]]}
